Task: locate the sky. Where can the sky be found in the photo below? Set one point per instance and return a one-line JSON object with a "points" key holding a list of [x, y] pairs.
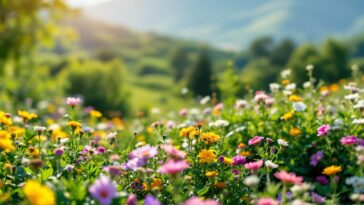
{"points": [[83, 3]]}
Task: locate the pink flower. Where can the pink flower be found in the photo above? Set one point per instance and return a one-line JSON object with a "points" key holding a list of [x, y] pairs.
{"points": [[254, 165], [255, 140], [59, 151], [289, 178], [323, 130], [173, 167], [260, 96], [183, 112], [131, 200], [103, 190], [197, 201], [170, 149], [349, 140], [73, 101], [267, 201]]}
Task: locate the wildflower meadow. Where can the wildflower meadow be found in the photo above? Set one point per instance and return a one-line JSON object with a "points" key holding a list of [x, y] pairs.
{"points": [[297, 144]]}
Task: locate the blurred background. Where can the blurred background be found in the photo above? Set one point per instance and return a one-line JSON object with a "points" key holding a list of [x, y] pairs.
{"points": [[125, 56]]}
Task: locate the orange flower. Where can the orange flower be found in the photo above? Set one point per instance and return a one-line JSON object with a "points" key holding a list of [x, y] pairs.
{"points": [[331, 170], [295, 98], [295, 132]]}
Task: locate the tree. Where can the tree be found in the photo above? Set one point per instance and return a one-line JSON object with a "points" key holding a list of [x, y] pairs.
{"points": [[200, 81], [229, 84], [282, 52], [261, 47], [179, 63]]}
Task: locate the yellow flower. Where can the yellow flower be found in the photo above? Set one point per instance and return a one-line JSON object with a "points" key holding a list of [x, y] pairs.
{"points": [[285, 82], [295, 98], [4, 119], [295, 132], [331, 170], [58, 133], [38, 194], [207, 156], [209, 137], [211, 174], [228, 160], [5, 142], [287, 116], [189, 132], [26, 115], [150, 130], [245, 153], [73, 124], [95, 113], [156, 184], [334, 87]]}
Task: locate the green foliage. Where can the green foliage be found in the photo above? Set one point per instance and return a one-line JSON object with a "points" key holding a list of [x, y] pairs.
{"points": [[258, 73], [229, 85], [101, 84], [179, 63], [200, 80]]}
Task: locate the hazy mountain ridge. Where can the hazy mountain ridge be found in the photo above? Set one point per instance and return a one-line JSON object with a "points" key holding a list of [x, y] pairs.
{"points": [[234, 24]]}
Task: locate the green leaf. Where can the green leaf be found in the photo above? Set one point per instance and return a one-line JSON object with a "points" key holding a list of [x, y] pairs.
{"points": [[203, 191]]}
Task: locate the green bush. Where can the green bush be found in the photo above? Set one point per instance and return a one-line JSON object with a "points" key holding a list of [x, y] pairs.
{"points": [[101, 85]]}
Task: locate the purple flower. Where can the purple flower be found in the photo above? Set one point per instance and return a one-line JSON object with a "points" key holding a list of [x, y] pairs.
{"points": [[134, 164], [323, 130], [361, 142], [315, 158], [58, 151], [221, 159], [151, 200], [255, 140], [101, 150], [238, 160], [322, 180], [349, 140], [144, 152], [316, 198], [114, 170], [103, 190]]}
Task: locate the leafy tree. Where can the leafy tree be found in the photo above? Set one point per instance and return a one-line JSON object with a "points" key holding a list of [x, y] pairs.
{"points": [[282, 52], [200, 80], [229, 84], [179, 63], [261, 47]]}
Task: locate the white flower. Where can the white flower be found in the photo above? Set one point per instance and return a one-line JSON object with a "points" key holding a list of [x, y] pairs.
{"points": [[359, 121], [184, 91], [219, 123], [352, 96], [299, 188], [240, 104], [270, 164], [251, 180], [351, 87], [282, 142], [299, 106], [287, 92], [354, 67], [309, 67], [291, 86], [285, 73], [307, 84], [274, 87], [357, 183], [205, 100], [155, 110], [359, 104], [111, 135], [338, 123], [39, 129]]}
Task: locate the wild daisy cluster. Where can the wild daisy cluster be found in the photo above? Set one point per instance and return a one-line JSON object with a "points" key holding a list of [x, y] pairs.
{"points": [[297, 144]]}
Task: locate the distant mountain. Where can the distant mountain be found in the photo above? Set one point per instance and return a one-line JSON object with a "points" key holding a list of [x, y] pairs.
{"points": [[235, 23]]}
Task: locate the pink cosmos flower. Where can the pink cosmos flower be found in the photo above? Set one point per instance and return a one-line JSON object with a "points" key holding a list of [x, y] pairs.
{"points": [[349, 140], [289, 178], [255, 140], [132, 200], [323, 130], [170, 149], [103, 190], [144, 152], [73, 101], [173, 167], [267, 201], [197, 201], [253, 166], [260, 96]]}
